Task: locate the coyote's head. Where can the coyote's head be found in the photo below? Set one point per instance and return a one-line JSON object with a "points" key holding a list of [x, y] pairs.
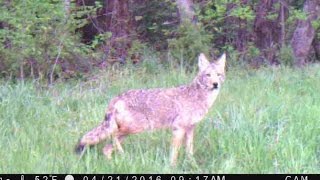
{"points": [[211, 75]]}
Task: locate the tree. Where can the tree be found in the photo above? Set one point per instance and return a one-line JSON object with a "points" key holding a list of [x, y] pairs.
{"points": [[266, 29], [185, 10], [119, 23], [304, 34], [316, 46], [239, 16], [115, 17]]}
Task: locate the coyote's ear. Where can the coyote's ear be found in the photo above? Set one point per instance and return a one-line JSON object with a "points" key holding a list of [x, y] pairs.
{"points": [[221, 62], [203, 62]]}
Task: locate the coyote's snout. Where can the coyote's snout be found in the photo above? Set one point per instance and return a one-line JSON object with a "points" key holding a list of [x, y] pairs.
{"points": [[178, 108]]}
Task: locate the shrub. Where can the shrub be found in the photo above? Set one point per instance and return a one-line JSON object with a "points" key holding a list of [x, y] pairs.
{"points": [[191, 41], [38, 37]]}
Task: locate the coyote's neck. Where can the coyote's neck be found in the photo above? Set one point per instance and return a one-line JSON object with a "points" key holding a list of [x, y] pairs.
{"points": [[200, 94]]}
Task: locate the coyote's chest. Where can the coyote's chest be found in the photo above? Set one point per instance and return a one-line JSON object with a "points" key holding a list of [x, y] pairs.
{"points": [[199, 112], [211, 98]]}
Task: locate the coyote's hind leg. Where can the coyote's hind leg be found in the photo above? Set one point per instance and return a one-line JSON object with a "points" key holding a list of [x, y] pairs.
{"points": [[108, 149]]}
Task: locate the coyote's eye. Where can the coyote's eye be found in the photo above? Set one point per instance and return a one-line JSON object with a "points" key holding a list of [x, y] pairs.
{"points": [[219, 74], [208, 75]]}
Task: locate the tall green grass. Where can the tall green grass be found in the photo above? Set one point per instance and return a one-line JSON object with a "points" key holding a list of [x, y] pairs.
{"points": [[264, 121]]}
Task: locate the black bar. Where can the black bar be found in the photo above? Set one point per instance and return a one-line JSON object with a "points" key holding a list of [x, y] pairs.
{"points": [[158, 176]]}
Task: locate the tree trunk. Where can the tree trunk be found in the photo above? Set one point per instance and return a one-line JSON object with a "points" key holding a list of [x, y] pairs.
{"points": [[95, 25], [304, 34], [236, 31], [283, 15], [67, 7], [267, 31], [119, 23], [316, 46], [185, 10], [115, 17]]}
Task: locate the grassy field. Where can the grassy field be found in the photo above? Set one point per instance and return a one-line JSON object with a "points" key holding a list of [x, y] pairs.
{"points": [[264, 121]]}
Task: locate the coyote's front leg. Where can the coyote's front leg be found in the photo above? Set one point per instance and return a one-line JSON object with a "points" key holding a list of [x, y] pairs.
{"points": [[178, 135], [189, 140]]}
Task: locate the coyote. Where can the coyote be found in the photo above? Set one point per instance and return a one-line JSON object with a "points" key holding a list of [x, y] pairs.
{"points": [[178, 108]]}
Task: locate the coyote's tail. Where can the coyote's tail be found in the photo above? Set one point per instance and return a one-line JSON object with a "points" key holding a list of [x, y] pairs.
{"points": [[96, 135]]}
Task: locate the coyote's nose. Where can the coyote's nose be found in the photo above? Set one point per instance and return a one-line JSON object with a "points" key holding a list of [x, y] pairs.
{"points": [[215, 85]]}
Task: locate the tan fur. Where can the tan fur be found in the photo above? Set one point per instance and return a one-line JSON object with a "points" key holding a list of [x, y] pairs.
{"points": [[178, 108]]}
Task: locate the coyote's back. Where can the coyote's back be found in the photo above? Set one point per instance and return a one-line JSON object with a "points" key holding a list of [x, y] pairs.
{"points": [[178, 108]]}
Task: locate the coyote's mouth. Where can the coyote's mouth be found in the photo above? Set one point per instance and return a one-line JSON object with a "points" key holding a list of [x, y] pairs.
{"points": [[213, 88]]}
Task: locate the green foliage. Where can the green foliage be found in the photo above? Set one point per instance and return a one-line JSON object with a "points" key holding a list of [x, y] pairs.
{"points": [[100, 39], [191, 41], [156, 21], [224, 18], [136, 50], [213, 11], [316, 24], [234, 57], [286, 56], [243, 12], [40, 39], [212, 15], [253, 51], [297, 14], [43, 34]]}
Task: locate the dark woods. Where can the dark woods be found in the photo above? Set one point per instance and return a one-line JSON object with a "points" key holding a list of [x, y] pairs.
{"points": [[49, 39]]}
